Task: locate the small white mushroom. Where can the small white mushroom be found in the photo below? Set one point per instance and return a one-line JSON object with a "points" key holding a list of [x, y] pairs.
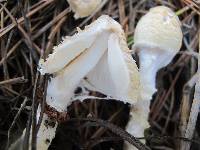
{"points": [[99, 53], [83, 8], [158, 38]]}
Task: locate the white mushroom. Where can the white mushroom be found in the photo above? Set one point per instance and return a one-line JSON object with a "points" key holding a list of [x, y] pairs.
{"points": [[158, 38], [89, 53], [99, 53], [83, 8]]}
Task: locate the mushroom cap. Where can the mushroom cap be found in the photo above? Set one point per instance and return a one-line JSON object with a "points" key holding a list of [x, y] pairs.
{"points": [[71, 47], [79, 54], [83, 8], [159, 29]]}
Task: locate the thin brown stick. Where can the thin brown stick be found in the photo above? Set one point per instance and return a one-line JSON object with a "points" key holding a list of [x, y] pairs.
{"points": [[42, 30], [15, 119], [20, 20], [118, 131], [121, 10], [27, 39], [10, 51], [14, 81], [185, 106], [101, 130], [194, 109], [47, 26], [52, 35], [160, 106], [34, 120]]}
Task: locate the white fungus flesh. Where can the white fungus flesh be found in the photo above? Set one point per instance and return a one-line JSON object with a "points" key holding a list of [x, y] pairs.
{"points": [[158, 38], [61, 88], [116, 74]]}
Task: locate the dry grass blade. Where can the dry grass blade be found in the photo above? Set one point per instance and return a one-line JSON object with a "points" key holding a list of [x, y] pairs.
{"points": [[193, 6], [15, 119], [20, 20], [125, 135], [189, 133], [14, 81]]}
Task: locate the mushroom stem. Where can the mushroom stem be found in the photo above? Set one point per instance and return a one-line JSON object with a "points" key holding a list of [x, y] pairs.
{"points": [[138, 122], [150, 62], [147, 75], [139, 112]]}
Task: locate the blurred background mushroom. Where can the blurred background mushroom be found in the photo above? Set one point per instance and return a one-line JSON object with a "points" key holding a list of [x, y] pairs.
{"points": [[83, 8]]}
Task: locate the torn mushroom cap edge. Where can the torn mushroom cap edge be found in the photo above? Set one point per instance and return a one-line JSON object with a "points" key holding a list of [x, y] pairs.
{"points": [[102, 23]]}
